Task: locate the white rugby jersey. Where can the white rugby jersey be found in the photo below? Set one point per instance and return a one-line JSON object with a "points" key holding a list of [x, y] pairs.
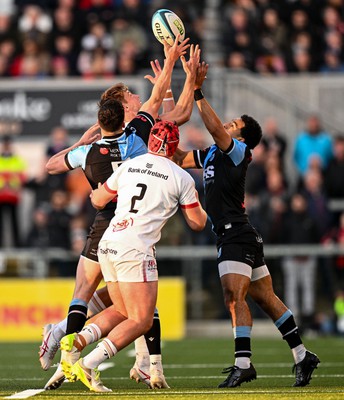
{"points": [[150, 188]]}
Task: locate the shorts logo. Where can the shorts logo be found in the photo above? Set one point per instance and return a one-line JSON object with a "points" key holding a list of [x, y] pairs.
{"points": [[151, 265], [219, 252], [107, 251]]}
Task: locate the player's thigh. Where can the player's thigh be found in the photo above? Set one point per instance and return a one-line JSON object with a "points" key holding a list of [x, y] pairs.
{"points": [[88, 277], [139, 299]]}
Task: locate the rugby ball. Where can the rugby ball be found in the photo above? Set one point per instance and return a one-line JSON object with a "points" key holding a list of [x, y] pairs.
{"points": [[166, 25]]}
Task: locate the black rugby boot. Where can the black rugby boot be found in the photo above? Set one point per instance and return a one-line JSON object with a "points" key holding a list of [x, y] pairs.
{"points": [[304, 369], [237, 376]]}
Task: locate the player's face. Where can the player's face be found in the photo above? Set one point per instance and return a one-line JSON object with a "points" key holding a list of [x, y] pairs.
{"points": [[133, 102], [234, 127]]}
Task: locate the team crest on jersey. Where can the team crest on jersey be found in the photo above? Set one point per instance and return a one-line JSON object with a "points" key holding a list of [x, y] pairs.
{"points": [[104, 150], [120, 226]]}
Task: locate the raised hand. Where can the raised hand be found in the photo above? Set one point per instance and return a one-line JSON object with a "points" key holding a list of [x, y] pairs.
{"points": [[201, 74], [177, 50], [156, 67], [190, 67], [90, 136]]}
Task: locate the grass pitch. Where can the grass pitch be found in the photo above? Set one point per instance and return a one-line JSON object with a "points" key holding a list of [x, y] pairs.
{"points": [[192, 369]]}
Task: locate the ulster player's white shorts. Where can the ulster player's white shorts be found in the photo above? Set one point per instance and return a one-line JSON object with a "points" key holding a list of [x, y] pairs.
{"points": [[121, 263]]}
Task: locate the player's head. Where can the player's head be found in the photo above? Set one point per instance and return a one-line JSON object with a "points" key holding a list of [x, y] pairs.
{"points": [[164, 138], [111, 115], [251, 132], [246, 129], [115, 92]]}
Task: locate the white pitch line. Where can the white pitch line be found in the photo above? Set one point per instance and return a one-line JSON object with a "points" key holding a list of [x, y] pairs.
{"points": [[25, 394]]}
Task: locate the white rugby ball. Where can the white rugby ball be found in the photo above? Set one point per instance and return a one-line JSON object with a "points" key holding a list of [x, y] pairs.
{"points": [[166, 25]]}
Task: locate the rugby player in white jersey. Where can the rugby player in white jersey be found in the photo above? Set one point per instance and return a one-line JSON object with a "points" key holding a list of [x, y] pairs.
{"points": [[149, 190]]}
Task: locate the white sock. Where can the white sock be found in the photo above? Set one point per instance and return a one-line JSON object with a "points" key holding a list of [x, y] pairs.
{"points": [[95, 305], [243, 362], [141, 346], [299, 353], [91, 334], [59, 330], [102, 352], [155, 362]]}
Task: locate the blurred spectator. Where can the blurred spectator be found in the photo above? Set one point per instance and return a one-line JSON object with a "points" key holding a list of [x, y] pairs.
{"points": [[64, 56], [272, 44], [273, 140], [300, 271], [313, 190], [35, 24], [12, 178], [38, 235], [256, 174], [273, 208], [339, 310], [59, 220], [236, 62], [96, 63], [332, 63], [97, 36], [32, 62], [44, 184], [334, 172], [313, 142], [336, 236], [98, 10], [130, 40], [78, 234], [238, 35], [136, 11]]}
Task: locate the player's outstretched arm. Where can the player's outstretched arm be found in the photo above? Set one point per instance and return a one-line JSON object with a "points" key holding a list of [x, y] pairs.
{"points": [[57, 165], [183, 109], [153, 104], [184, 159], [209, 117], [168, 102]]}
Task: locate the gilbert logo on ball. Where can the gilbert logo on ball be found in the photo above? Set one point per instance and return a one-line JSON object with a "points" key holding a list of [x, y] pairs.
{"points": [[167, 25]]}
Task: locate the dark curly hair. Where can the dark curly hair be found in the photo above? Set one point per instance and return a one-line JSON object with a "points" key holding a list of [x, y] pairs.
{"points": [[111, 115], [251, 132]]}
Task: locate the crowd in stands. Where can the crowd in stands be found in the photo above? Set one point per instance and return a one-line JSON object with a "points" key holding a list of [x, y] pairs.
{"points": [[106, 38]]}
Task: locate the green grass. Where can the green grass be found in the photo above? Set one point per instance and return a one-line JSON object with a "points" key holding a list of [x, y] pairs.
{"points": [[192, 369]]}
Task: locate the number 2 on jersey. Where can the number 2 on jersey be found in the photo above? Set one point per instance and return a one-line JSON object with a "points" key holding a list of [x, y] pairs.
{"points": [[134, 199]]}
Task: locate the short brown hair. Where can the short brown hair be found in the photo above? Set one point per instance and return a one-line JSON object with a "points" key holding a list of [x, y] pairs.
{"points": [[115, 92]]}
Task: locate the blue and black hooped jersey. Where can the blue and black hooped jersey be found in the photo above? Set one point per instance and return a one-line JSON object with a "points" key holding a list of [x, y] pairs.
{"points": [[100, 159], [224, 182]]}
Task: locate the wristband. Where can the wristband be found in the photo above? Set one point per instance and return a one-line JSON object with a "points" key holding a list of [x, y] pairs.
{"points": [[198, 95], [167, 99]]}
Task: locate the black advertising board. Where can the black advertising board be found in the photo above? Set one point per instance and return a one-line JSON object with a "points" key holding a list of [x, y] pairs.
{"points": [[33, 110]]}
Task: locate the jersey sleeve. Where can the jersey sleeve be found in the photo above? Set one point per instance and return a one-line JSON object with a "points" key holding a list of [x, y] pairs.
{"points": [[200, 156], [237, 152], [188, 197], [77, 157], [142, 124]]}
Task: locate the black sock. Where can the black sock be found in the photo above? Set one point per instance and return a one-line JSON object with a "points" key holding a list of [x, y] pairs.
{"points": [[153, 337], [290, 332], [77, 315], [242, 347]]}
